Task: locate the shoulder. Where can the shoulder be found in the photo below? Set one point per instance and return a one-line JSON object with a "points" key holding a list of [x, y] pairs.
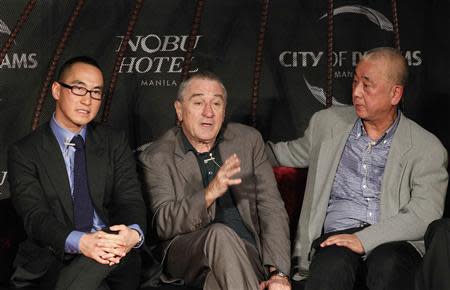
{"points": [[236, 132], [420, 137], [335, 114], [33, 139], [160, 148], [240, 130]]}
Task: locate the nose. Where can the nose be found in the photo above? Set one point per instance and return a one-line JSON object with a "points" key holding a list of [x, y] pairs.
{"points": [[86, 99], [208, 111], [357, 90]]}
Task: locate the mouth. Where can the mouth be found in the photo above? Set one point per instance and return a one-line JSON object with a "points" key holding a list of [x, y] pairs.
{"points": [[83, 111], [206, 124]]}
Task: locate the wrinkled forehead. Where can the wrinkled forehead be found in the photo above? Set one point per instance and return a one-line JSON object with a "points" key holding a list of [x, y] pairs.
{"points": [[197, 87], [372, 69]]}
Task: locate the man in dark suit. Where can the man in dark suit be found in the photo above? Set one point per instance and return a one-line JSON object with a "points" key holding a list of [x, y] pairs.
{"points": [[75, 186], [217, 225]]}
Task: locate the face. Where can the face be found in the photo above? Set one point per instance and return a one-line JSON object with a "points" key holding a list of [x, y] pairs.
{"points": [[74, 112], [375, 96], [201, 111]]}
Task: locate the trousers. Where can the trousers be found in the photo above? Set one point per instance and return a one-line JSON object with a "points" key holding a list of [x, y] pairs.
{"points": [[389, 266], [214, 257], [434, 273]]}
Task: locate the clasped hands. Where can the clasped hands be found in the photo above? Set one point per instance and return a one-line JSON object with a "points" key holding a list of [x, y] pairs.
{"points": [[109, 248]]}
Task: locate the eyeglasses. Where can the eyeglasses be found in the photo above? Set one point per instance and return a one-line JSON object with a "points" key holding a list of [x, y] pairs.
{"points": [[96, 94]]}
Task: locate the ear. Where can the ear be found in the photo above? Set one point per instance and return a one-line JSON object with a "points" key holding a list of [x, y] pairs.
{"points": [[56, 90], [397, 93], [178, 110]]}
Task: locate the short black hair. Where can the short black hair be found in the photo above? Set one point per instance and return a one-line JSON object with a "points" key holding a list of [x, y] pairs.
{"points": [[77, 59]]}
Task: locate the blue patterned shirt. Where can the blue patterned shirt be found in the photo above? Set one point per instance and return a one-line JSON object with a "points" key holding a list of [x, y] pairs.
{"points": [[355, 194]]}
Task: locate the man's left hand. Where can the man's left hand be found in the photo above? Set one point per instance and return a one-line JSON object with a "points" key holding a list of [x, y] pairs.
{"points": [[121, 243], [275, 283], [350, 241]]}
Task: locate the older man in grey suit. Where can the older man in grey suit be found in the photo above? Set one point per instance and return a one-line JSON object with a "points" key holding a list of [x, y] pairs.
{"points": [[218, 225], [376, 180]]}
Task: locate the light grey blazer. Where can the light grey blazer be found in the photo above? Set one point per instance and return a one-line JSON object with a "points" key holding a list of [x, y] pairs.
{"points": [[412, 191], [174, 193]]}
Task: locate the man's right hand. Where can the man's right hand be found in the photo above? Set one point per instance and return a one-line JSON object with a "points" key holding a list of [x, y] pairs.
{"points": [[223, 179], [91, 246]]}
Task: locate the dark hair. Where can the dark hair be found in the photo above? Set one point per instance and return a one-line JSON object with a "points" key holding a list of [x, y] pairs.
{"points": [[78, 59], [205, 75]]}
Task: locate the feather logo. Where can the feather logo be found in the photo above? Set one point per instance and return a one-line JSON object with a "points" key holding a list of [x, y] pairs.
{"points": [[373, 15], [4, 28], [319, 94]]}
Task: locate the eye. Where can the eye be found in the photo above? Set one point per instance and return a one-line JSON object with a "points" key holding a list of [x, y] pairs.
{"points": [[97, 93], [79, 90]]}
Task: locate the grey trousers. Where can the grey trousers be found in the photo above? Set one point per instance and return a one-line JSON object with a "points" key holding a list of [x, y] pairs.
{"points": [[214, 257], [85, 273]]}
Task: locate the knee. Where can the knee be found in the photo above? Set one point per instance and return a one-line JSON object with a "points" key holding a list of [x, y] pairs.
{"points": [[219, 236], [390, 260], [384, 257], [333, 267], [439, 228], [220, 231], [336, 261]]}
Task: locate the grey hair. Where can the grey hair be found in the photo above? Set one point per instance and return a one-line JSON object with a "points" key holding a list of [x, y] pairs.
{"points": [[397, 63], [205, 75]]}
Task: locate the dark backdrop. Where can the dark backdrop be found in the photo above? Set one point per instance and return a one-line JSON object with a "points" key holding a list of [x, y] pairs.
{"points": [[293, 72]]}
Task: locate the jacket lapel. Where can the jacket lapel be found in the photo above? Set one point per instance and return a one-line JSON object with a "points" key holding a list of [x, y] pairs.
{"points": [[328, 161], [395, 167], [53, 162], [187, 164], [96, 163], [239, 192]]}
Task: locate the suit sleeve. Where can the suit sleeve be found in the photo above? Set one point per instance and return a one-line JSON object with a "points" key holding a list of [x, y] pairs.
{"points": [[170, 215], [294, 153], [273, 219], [32, 204], [426, 181]]}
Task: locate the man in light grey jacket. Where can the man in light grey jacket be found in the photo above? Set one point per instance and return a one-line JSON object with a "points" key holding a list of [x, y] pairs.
{"points": [[376, 180]]}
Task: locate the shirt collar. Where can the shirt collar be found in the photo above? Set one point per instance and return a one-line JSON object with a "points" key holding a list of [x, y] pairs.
{"points": [[360, 131], [187, 146], [63, 136]]}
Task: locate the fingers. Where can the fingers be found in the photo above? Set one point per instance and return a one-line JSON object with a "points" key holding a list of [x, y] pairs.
{"points": [[224, 178], [349, 241], [262, 285], [229, 169], [102, 247]]}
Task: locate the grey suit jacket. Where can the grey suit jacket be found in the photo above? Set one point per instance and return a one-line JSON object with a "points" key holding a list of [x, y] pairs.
{"points": [[40, 190], [175, 195], [413, 187]]}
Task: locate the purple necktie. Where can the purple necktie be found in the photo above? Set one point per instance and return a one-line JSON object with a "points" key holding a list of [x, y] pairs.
{"points": [[82, 203]]}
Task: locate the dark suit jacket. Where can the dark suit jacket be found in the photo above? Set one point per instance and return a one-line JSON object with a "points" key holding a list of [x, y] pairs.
{"points": [[40, 190], [175, 194]]}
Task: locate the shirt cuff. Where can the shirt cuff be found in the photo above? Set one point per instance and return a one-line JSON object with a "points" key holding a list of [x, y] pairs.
{"points": [[72, 245], [137, 228]]}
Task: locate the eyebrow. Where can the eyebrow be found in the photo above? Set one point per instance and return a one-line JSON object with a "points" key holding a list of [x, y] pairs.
{"points": [[199, 95], [78, 82]]}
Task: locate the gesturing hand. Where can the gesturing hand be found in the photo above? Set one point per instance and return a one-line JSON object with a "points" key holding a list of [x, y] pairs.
{"points": [[223, 179]]}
